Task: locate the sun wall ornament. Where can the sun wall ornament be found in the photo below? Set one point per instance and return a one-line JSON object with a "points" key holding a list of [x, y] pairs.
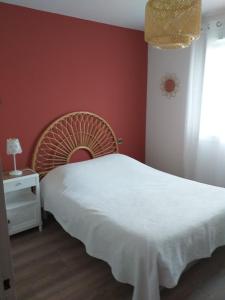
{"points": [[169, 85]]}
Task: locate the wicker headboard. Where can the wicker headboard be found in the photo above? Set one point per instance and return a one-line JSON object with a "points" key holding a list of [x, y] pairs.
{"points": [[68, 134]]}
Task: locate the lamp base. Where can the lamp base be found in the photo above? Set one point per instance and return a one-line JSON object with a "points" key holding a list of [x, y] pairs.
{"points": [[15, 173]]}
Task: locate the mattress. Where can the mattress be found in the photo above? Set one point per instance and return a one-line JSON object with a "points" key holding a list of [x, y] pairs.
{"points": [[146, 224]]}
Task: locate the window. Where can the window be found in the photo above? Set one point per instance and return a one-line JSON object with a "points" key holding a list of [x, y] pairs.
{"points": [[212, 122]]}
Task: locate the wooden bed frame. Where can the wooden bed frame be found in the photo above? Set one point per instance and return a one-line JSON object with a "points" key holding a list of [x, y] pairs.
{"points": [[70, 133]]}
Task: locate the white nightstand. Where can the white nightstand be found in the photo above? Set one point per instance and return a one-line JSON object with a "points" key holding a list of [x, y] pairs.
{"points": [[22, 197]]}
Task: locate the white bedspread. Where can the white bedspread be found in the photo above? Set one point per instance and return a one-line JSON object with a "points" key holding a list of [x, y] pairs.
{"points": [[148, 225]]}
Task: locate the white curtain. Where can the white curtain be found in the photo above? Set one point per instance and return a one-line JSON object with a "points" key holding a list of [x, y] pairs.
{"points": [[204, 157]]}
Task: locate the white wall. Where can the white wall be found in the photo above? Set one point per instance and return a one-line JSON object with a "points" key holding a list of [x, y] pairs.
{"points": [[165, 122]]}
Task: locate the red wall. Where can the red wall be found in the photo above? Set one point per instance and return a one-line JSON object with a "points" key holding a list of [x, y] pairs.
{"points": [[51, 65]]}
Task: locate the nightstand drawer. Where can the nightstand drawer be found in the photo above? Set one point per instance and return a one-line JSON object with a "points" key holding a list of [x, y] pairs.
{"points": [[22, 218], [19, 183]]}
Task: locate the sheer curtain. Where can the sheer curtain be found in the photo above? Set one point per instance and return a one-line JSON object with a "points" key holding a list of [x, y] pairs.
{"points": [[204, 157]]}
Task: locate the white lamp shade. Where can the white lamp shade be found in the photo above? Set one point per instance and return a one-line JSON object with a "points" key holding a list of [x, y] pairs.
{"points": [[13, 146]]}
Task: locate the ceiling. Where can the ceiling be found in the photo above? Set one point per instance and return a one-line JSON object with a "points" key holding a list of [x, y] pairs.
{"points": [[124, 13]]}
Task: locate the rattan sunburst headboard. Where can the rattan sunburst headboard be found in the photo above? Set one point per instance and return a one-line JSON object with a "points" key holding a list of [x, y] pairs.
{"points": [[71, 132]]}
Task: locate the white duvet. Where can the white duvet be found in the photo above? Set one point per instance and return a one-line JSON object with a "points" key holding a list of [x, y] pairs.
{"points": [[148, 225]]}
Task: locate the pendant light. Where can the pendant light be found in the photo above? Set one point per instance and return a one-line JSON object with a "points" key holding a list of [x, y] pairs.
{"points": [[172, 24]]}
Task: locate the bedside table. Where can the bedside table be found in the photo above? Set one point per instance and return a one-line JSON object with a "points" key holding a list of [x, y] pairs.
{"points": [[22, 197]]}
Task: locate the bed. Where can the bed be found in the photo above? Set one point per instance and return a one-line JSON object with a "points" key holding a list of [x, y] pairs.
{"points": [[146, 224]]}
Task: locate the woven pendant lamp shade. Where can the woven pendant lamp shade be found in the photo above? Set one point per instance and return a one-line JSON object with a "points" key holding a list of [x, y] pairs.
{"points": [[172, 24]]}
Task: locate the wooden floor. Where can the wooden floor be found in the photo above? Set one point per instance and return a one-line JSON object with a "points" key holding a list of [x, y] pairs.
{"points": [[54, 266]]}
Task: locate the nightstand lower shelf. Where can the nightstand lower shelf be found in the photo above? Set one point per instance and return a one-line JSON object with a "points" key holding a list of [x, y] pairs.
{"points": [[19, 221]]}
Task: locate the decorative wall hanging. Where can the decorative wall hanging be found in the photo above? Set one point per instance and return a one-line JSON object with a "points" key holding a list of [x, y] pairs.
{"points": [[172, 24], [169, 85]]}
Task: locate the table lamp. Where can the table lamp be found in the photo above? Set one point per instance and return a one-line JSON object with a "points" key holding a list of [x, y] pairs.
{"points": [[13, 148]]}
